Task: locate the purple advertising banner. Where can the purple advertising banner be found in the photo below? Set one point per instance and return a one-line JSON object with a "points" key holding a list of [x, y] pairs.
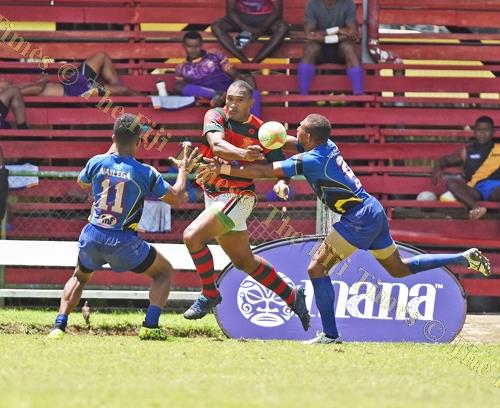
{"points": [[370, 305]]}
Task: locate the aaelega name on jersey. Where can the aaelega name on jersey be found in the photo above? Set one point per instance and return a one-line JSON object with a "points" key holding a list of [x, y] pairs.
{"points": [[114, 173]]}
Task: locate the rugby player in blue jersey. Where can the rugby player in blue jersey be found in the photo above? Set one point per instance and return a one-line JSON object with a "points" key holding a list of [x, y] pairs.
{"points": [[363, 223], [119, 184]]}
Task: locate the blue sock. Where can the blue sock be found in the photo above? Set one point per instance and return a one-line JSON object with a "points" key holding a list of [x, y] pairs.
{"points": [[425, 262], [61, 321], [198, 90], [325, 301], [355, 75], [152, 316], [256, 104], [306, 74]]}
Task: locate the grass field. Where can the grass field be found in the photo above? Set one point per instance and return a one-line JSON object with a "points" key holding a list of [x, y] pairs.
{"points": [[198, 367]]}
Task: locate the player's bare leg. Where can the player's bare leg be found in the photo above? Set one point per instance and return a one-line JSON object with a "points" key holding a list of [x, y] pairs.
{"points": [[161, 274], [204, 228], [394, 265], [71, 295], [236, 244], [72, 291]]}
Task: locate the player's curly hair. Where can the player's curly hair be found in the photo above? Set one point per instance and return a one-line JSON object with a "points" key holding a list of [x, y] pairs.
{"points": [[127, 129], [319, 127]]}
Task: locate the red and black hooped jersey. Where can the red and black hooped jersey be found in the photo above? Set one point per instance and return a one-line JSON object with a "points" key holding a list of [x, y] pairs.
{"points": [[239, 134]]}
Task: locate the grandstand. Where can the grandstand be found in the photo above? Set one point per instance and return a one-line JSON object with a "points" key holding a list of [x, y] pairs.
{"points": [[412, 113]]}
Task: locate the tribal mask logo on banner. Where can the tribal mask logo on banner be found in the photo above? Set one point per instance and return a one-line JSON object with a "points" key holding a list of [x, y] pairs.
{"points": [[262, 306]]}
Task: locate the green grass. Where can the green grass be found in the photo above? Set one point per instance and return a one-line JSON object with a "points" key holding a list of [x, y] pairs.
{"points": [[208, 370]]}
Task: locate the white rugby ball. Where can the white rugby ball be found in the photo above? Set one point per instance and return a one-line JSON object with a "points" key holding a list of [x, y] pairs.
{"points": [[272, 135]]}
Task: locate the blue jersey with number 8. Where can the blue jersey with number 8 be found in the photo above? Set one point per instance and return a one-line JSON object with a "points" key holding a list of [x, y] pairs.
{"points": [[119, 186], [330, 177]]}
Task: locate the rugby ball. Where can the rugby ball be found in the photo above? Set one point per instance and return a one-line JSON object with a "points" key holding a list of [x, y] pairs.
{"points": [[272, 135]]}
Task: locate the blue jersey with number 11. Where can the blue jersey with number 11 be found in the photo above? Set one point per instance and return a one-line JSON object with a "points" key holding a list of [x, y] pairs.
{"points": [[331, 178], [119, 185]]}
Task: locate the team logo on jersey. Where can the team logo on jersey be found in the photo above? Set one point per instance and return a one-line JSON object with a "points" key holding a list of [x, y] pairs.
{"points": [[261, 305], [107, 220]]}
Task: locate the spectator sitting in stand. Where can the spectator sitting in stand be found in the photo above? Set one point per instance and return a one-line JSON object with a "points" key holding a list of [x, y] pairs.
{"points": [[251, 18], [208, 74], [96, 74], [481, 164], [331, 29]]}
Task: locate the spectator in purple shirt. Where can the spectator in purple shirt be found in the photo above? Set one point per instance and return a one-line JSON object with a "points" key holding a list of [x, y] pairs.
{"points": [[208, 74]]}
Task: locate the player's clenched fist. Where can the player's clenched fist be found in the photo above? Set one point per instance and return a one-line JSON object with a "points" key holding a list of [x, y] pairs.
{"points": [[281, 189], [253, 153]]}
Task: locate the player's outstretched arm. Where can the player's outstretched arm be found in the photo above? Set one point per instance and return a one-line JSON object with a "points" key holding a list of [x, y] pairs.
{"points": [[228, 151], [250, 171], [177, 193]]}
